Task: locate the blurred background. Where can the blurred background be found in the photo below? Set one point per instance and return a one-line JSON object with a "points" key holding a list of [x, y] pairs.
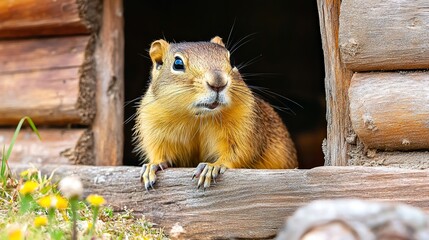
{"points": [[284, 50]]}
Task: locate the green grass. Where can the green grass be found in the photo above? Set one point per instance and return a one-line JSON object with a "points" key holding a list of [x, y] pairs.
{"points": [[4, 170], [20, 206]]}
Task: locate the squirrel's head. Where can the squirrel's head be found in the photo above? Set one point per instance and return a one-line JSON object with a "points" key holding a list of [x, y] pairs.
{"points": [[197, 76]]}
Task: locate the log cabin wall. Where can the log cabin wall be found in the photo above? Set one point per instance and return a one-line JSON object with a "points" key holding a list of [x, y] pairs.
{"points": [[61, 64], [386, 46]]}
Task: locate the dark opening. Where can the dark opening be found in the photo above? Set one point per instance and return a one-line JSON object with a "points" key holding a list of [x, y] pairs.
{"points": [[286, 37]]}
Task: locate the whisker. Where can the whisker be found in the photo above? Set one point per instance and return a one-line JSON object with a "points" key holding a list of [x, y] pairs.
{"points": [[230, 33], [130, 118], [267, 91], [279, 108], [240, 45], [248, 63], [237, 93], [143, 55], [169, 95], [131, 101], [283, 109], [234, 47], [245, 75]]}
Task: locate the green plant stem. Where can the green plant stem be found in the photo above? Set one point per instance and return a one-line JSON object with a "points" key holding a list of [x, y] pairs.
{"points": [[74, 206], [3, 173], [51, 221], [95, 210], [51, 215]]}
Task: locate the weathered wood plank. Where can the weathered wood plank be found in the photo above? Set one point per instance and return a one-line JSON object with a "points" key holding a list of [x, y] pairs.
{"points": [[58, 146], [337, 80], [109, 56], [46, 96], [19, 18], [49, 79], [384, 35], [244, 203], [390, 110], [42, 53]]}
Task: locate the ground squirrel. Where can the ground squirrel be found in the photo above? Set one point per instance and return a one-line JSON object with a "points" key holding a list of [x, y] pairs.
{"points": [[199, 112]]}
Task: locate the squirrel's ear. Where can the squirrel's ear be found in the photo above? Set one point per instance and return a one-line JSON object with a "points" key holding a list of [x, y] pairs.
{"points": [[217, 40], [157, 51]]}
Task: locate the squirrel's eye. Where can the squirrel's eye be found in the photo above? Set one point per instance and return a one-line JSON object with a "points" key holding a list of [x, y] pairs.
{"points": [[178, 64]]}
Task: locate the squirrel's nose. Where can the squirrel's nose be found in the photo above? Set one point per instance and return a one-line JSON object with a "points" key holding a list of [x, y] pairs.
{"points": [[217, 87], [217, 83]]}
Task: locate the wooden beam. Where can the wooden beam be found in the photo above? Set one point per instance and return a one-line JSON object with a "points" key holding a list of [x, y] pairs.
{"points": [[337, 80], [57, 146], [109, 56], [390, 110], [244, 203], [23, 18], [50, 79], [391, 35]]}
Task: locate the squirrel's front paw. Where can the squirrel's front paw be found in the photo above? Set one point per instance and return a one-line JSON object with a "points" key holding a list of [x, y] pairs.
{"points": [[206, 172], [148, 174]]}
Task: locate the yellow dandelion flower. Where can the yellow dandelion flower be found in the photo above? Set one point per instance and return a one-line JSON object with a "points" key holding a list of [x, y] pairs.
{"points": [[14, 232], [95, 200], [51, 201], [45, 201], [61, 202], [40, 221], [28, 187]]}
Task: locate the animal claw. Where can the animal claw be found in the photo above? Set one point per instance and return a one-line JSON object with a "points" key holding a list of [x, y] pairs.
{"points": [[206, 172], [148, 174]]}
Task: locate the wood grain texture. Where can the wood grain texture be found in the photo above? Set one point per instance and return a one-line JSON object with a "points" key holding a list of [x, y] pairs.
{"points": [[22, 18], [47, 79], [384, 35], [390, 110], [244, 203], [109, 56], [337, 80], [57, 146]]}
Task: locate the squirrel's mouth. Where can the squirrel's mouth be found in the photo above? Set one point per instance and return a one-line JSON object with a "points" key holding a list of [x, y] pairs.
{"points": [[210, 106]]}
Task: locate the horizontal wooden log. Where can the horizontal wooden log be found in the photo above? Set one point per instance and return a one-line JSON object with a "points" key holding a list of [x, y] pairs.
{"points": [[51, 80], [244, 203], [390, 110], [57, 146], [19, 18], [384, 35]]}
